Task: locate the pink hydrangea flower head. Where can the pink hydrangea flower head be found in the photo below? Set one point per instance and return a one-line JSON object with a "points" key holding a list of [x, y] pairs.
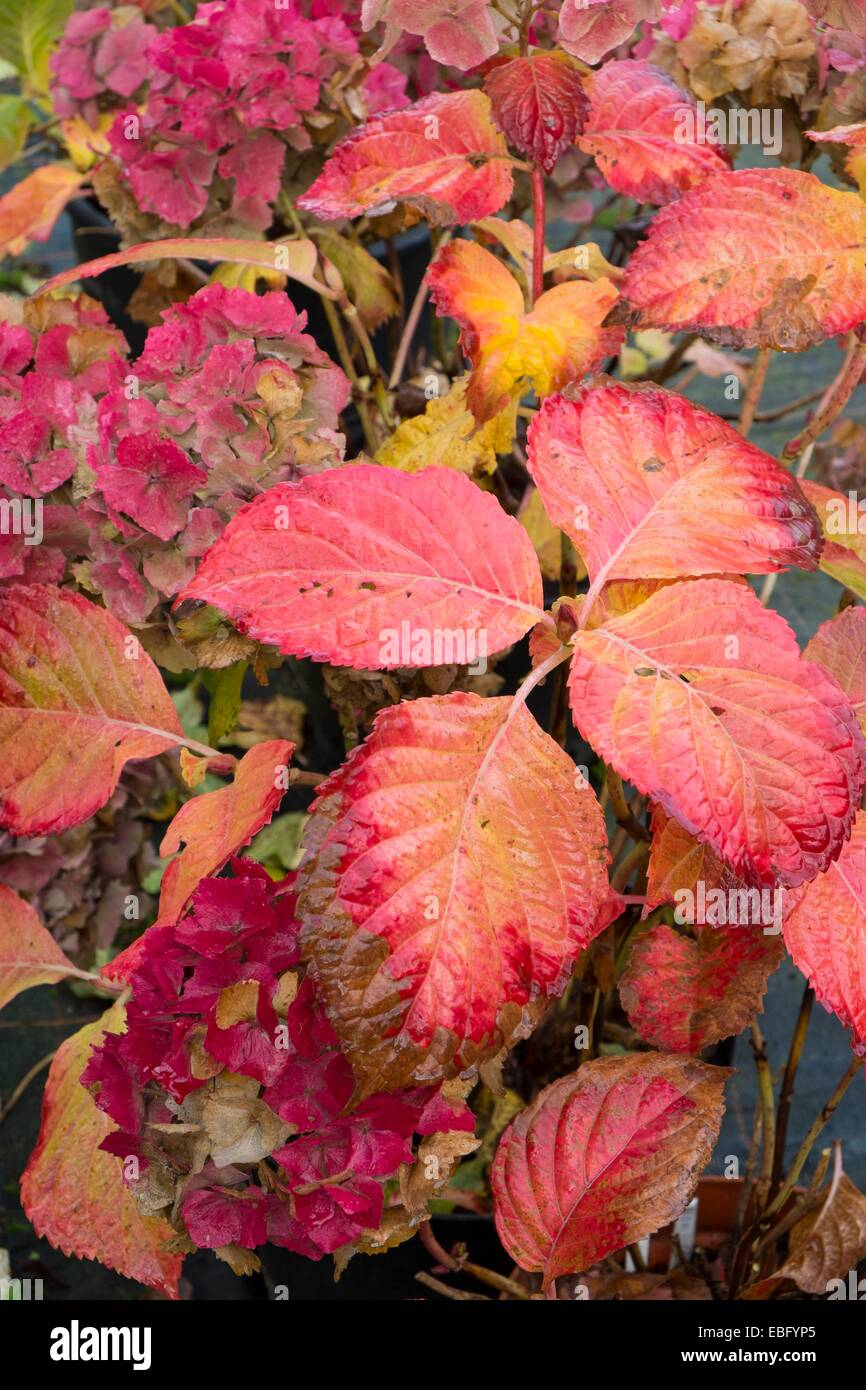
{"points": [[216, 1039]]}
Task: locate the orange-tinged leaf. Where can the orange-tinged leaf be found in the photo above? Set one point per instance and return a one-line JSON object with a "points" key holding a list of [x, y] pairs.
{"points": [[74, 1193], [454, 868], [701, 699], [839, 646], [825, 932], [650, 486], [213, 827], [683, 993], [442, 155], [854, 136], [557, 341], [295, 258], [373, 568], [539, 103], [678, 861], [844, 554], [29, 211], [646, 134], [604, 1157], [79, 697], [29, 955], [768, 258]]}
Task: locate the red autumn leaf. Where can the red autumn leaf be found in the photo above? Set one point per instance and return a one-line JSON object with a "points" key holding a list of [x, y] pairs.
{"points": [[604, 1157], [454, 869], [701, 699], [844, 554], [650, 486], [79, 698], [768, 258], [646, 134], [213, 827], [539, 103], [29, 955], [29, 211], [74, 1193], [683, 993], [825, 932], [296, 259], [839, 646], [443, 155], [557, 341], [373, 568]]}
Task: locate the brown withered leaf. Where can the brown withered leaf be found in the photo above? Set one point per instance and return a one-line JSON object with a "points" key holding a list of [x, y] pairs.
{"points": [[438, 1155], [238, 1125], [828, 1242], [240, 1261], [286, 992], [278, 717], [237, 1003], [643, 1286]]}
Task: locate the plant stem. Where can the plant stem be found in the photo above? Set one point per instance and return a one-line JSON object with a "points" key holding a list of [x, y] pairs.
{"points": [[768, 1111], [537, 233], [625, 818], [409, 330], [787, 1093], [836, 399], [24, 1083], [812, 1134], [636, 856], [752, 398], [762, 1222], [459, 1295], [567, 588], [348, 366], [667, 368]]}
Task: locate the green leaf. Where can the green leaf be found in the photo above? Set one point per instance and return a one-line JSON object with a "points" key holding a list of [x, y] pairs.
{"points": [[28, 32], [369, 286], [15, 120], [278, 846], [225, 699]]}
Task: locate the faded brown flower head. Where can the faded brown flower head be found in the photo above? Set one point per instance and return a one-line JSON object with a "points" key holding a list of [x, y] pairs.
{"points": [[763, 52]]}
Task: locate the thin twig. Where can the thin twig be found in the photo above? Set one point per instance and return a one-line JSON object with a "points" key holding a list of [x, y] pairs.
{"points": [[787, 1092], [768, 1109], [24, 1083], [812, 1134], [752, 398], [625, 818], [840, 392], [459, 1295]]}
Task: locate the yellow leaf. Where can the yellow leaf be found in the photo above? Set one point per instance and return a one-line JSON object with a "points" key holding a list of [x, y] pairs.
{"points": [[546, 538], [84, 143], [448, 434]]}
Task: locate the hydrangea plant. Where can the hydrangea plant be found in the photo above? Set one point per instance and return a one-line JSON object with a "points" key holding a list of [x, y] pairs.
{"points": [[594, 789]]}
